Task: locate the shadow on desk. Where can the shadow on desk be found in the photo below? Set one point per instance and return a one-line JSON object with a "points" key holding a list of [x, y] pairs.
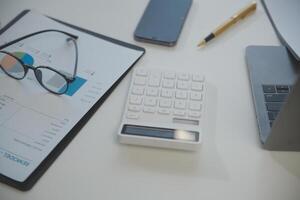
{"points": [[206, 163], [288, 160]]}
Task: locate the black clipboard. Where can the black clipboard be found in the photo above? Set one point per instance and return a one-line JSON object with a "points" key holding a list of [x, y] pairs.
{"points": [[45, 164]]}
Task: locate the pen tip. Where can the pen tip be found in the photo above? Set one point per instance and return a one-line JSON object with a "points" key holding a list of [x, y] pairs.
{"points": [[202, 43]]}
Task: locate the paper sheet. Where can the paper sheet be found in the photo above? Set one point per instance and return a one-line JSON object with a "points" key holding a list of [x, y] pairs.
{"points": [[32, 120]]}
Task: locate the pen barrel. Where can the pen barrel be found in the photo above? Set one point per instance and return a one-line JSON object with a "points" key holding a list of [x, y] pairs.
{"points": [[235, 18], [231, 21], [223, 27]]}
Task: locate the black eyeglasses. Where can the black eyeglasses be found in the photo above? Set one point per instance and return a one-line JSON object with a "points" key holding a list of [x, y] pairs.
{"points": [[51, 79]]}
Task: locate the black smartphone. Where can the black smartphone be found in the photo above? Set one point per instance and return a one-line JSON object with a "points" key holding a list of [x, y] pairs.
{"points": [[162, 21]]}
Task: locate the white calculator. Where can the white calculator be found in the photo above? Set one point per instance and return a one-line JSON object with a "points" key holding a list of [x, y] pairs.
{"points": [[164, 109]]}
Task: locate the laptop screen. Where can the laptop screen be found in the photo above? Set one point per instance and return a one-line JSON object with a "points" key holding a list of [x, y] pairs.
{"points": [[285, 17]]}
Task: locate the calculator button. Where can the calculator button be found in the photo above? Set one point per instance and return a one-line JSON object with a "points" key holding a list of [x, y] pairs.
{"points": [[168, 83], [149, 109], [154, 79], [180, 104], [198, 78], [138, 90], [194, 114], [183, 85], [196, 96], [170, 75], [166, 93], [141, 72], [154, 82], [131, 115], [140, 81], [152, 91], [194, 105], [183, 76], [165, 103], [134, 108], [179, 113], [134, 99], [149, 101], [164, 111], [181, 94], [186, 121], [197, 86], [156, 75]]}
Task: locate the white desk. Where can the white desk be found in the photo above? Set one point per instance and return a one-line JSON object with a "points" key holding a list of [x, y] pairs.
{"points": [[230, 164]]}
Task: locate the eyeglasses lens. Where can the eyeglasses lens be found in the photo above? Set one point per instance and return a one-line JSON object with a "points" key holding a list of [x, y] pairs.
{"points": [[11, 66], [51, 80]]}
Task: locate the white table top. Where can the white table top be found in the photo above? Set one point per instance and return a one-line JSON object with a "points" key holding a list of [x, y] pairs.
{"points": [[230, 164]]}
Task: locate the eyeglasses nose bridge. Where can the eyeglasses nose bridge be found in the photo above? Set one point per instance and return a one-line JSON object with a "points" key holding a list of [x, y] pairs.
{"points": [[26, 67], [38, 75], [29, 66]]}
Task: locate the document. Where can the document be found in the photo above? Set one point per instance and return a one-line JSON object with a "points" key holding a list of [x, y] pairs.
{"points": [[32, 120]]}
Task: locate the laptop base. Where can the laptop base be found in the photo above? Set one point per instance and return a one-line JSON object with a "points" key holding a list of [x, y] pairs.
{"points": [[273, 65]]}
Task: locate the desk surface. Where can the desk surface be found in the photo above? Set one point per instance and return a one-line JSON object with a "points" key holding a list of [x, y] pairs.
{"points": [[230, 164]]}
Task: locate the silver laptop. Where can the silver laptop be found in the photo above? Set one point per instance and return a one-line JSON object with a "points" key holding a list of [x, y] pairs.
{"points": [[275, 83]]}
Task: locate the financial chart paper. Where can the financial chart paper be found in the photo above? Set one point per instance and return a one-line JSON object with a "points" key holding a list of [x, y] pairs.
{"points": [[32, 120]]}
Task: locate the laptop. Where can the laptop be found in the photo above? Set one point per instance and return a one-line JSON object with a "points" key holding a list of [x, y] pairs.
{"points": [[274, 78]]}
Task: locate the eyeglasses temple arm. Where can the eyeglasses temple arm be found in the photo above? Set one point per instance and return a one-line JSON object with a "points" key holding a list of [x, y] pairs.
{"points": [[36, 33], [76, 56]]}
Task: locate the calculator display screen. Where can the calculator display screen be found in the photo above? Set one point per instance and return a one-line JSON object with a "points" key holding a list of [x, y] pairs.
{"points": [[157, 132]]}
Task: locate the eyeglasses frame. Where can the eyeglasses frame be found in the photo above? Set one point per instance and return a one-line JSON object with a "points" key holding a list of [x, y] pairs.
{"points": [[26, 67]]}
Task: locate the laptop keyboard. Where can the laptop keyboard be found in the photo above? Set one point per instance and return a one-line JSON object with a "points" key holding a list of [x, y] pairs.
{"points": [[275, 96]]}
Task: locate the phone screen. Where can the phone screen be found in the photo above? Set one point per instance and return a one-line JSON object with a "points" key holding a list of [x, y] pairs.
{"points": [[162, 21]]}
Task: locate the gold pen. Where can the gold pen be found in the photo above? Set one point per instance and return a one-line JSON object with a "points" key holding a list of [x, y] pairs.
{"points": [[232, 20]]}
